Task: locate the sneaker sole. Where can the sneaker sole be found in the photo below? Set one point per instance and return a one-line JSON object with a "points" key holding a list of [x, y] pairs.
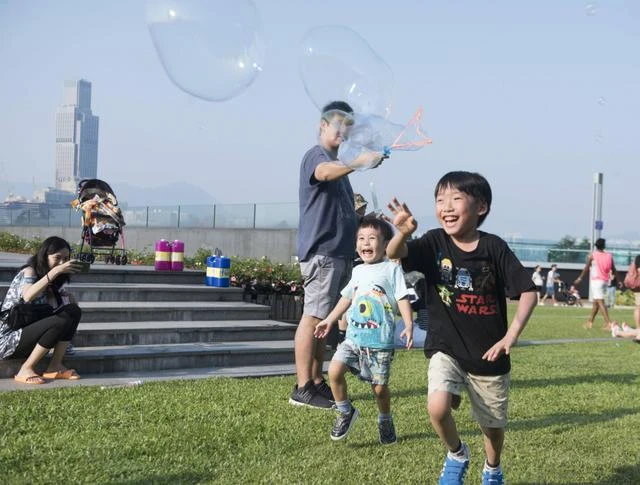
{"points": [[304, 404], [354, 418]]}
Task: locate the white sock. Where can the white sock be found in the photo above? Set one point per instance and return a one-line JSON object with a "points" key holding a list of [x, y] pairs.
{"points": [[491, 468], [462, 454]]}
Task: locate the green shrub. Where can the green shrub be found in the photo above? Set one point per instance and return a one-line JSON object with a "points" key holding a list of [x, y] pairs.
{"points": [[625, 298], [17, 244], [260, 274]]}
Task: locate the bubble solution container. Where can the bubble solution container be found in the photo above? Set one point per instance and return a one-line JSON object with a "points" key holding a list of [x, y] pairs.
{"points": [[177, 255], [218, 271], [163, 255]]}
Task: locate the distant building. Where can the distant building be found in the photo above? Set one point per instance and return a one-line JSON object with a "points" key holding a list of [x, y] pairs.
{"points": [[76, 137]]}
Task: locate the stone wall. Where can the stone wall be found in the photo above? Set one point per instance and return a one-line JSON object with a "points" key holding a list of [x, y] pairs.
{"points": [[277, 244]]}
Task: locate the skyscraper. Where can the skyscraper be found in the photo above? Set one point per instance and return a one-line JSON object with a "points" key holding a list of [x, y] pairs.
{"points": [[76, 137]]}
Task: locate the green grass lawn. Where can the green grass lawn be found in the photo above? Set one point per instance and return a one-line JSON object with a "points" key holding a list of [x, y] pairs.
{"points": [[574, 419]]}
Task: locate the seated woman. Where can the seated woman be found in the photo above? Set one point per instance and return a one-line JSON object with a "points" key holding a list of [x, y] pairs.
{"points": [[41, 280]]}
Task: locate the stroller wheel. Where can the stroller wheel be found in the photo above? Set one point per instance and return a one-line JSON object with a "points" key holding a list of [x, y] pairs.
{"points": [[118, 259], [124, 259], [107, 259], [91, 259]]}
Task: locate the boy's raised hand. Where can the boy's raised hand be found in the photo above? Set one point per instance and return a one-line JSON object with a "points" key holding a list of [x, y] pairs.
{"points": [[403, 219], [322, 329]]}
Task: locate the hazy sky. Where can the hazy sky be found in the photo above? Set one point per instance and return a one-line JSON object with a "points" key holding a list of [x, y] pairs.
{"points": [[535, 95]]}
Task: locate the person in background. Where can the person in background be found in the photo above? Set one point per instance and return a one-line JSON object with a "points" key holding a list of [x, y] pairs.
{"points": [[538, 280], [611, 291], [573, 291], [42, 280], [553, 278], [600, 267]]}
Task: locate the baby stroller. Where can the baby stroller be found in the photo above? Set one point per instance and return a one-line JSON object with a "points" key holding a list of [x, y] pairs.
{"points": [[102, 222], [563, 295]]}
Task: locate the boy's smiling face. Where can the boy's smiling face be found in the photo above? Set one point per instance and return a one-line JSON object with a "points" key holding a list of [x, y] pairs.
{"points": [[458, 213], [370, 245]]}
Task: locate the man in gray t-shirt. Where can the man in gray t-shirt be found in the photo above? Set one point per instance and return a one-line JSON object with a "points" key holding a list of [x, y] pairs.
{"points": [[326, 246]]}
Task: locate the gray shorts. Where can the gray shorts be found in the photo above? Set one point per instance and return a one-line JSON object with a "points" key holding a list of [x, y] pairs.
{"points": [[371, 365], [324, 278]]}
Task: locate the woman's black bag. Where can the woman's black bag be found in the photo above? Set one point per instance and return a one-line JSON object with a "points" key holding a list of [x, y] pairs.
{"points": [[23, 314]]}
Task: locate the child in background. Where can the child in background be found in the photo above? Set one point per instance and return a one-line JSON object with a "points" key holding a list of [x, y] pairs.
{"points": [[573, 291]]}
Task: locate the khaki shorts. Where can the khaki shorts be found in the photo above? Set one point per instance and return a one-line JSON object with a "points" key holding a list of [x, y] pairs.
{"points": [[637, 295], [324, 278], [489, 395], [599, 289]]}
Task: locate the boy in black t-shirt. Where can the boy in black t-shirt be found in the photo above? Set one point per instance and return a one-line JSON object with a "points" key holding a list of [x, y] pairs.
{"points": [[469, 274]]}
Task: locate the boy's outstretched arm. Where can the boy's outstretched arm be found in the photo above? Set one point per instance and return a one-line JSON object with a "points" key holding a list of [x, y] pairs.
{"points": [[526, 304], [405, 224], [407, 317], [322, 329]]}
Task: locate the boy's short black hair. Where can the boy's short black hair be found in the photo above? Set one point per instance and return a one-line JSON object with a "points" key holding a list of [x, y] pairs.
{"points": [[337, 106], [379, 224], [470, 183], [600, 243]]}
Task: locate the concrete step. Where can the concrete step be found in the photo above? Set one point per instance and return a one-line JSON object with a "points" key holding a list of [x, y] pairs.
{"points": [[163, 311], [115, 380], [137, 358], [86, 292], [104, 273], [150, 333]]}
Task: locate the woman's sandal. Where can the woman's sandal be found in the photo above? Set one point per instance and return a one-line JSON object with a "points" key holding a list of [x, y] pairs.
{"points": [[69, 374], [34, 379]]}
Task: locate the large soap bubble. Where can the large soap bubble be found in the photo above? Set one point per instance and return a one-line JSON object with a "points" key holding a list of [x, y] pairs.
{"points": [[337, 64], [367, 135], [211, 49]]}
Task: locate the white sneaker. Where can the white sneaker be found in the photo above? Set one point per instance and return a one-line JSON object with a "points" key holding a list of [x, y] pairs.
{"points": [[555, 304]]}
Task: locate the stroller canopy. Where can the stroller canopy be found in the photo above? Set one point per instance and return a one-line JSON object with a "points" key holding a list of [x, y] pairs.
{"points": [[88, 188]]}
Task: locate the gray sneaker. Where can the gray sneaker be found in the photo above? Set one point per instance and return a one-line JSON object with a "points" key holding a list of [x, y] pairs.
{"points": [[343, 424], [387, 432]]}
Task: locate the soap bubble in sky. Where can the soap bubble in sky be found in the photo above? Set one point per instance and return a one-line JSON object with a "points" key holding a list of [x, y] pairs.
{"points": [[211, 49]]}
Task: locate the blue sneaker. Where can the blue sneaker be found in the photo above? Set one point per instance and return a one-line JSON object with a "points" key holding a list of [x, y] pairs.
{"points": [[453, 471], [492, 477]]}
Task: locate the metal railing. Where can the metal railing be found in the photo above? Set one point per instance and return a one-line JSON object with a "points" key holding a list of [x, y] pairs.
{"points": [[234, 216], [264, 216]]}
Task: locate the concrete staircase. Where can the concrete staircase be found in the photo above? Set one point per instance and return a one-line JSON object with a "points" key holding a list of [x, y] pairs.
{"points": [[137, 322]]}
